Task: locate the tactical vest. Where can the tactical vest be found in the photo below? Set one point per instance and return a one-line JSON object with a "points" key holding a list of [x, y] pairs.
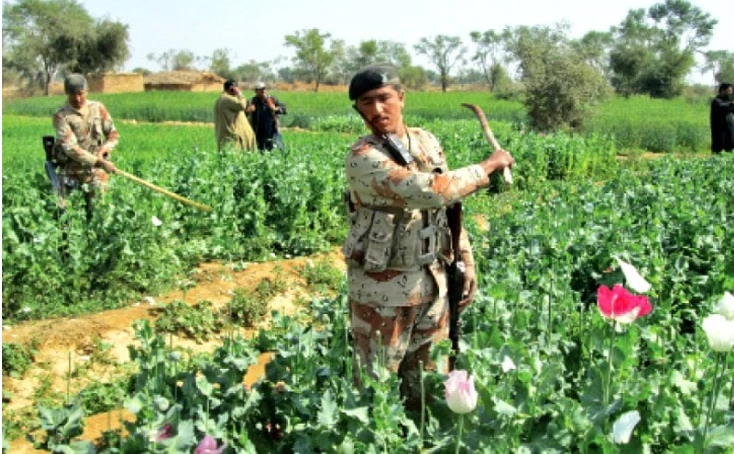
{"points": [[401, 239], [89, 134]]}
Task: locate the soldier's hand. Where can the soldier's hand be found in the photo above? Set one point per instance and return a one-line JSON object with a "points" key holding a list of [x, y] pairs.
{"points": [[107, 166], [499, 160], [470, 287], [503, 159]]}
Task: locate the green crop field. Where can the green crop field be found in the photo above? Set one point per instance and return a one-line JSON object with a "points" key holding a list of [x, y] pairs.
{"points": [[553, 374], [636, 123]]}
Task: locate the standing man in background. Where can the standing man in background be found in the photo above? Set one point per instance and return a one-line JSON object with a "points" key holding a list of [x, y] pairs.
{"points": [[230, 123], [722, 120], [263, 113], [85, 138]]}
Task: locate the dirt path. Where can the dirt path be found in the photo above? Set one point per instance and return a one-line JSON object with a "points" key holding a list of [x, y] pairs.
{"points": [[97, 343]]}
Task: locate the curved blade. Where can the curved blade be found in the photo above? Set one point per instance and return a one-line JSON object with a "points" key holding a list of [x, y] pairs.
{"points": [[489, 136]]}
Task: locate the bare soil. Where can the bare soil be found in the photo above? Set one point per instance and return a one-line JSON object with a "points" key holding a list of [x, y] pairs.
{"points": [[97, 343]]}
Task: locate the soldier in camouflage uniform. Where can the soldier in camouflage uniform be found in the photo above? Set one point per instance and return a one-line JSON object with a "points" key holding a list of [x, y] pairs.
{"points": [[85, 138], [399, 243]]}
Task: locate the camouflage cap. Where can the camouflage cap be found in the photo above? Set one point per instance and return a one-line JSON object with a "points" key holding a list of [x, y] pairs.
{"points": [[74, 83], [371, 77]]}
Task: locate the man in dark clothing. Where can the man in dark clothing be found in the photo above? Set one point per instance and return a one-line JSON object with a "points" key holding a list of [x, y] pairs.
{"points": [[722, 120], [263, 113]]}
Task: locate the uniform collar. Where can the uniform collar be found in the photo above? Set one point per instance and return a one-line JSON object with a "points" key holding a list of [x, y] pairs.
{"points": [[83, 110]]}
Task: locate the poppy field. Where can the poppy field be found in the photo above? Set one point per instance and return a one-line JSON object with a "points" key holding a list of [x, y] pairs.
{"points": [[604, 321]]}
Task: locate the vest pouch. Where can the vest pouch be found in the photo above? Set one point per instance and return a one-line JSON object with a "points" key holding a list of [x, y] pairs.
{"points": [[406, 243], [360, 221], [379, 242]]}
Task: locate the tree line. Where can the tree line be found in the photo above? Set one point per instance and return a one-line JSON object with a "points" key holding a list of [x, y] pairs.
{"points": [[649, 52]]}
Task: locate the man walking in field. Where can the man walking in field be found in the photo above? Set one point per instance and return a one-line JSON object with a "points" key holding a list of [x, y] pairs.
{"points": [[85, 138], [263, 112], [399, 243], [230, 124], [722, 120]]}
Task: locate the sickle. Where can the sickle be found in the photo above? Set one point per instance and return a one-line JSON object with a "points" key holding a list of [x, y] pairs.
{"points": [[490, 137]]}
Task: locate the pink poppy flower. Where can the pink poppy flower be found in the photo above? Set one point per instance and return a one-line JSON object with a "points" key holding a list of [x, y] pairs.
{"points": [[165, 432], [461, 396], [208, 445], [620, 305]]}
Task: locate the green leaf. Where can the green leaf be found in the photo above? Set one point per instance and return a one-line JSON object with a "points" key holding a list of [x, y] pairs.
{"points": [[328, 411], [360, 413], [686, 386], [721, 437], [503, 408], [82, 447]]}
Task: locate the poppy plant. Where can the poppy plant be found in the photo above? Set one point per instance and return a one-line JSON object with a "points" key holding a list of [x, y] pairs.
{"points": [[620, 305], [208, 445], [461, 397], [726, 306], [634, 279]]}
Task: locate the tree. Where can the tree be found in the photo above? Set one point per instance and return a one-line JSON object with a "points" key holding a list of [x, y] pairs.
{"points": [[561, 88], [413, 77], [656, 49], [443, 51], [176, 60], [489, 46], [594, 48], [349, 59], [39, 36], [721, 65], [394, 53], [221, 64], [103, 50], [312, 57], [253, 71]]}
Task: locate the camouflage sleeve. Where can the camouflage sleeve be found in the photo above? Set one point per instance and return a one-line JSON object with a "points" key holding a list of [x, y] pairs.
{"points": [[378, 180], [66, 139], [108, 127]]}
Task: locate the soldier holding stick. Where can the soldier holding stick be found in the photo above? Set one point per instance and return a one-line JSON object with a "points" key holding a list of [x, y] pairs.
{"points": [[399, 244]]}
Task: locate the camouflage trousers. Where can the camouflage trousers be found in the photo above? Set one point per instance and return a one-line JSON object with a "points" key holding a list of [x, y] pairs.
{"points": [[400, 338], [96, 181]]}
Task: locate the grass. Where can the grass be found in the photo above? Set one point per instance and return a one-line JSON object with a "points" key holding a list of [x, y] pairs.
{"points": [[656, 125]]}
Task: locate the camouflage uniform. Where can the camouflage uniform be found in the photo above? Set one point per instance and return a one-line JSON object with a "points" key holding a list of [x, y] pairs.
{"points": [[230, 122], [82, 135], [397, 250]]}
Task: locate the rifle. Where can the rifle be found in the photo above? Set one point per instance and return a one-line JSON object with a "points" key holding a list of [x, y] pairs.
{"points": [[455, 274], [51, 164]]}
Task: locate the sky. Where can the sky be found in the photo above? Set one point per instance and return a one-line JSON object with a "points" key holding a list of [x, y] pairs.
{"points": [[256, 29]]}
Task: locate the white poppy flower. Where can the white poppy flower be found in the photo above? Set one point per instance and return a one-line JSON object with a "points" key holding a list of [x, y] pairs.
{"points": [[719, 331], [635, 281], [726, 306], [508, 364], [461, 396], [623, 427], [156, 222]]}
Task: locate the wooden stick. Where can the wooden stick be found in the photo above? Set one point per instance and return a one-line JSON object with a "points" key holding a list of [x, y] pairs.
{"points": [[489, 136], [165, 192]]}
